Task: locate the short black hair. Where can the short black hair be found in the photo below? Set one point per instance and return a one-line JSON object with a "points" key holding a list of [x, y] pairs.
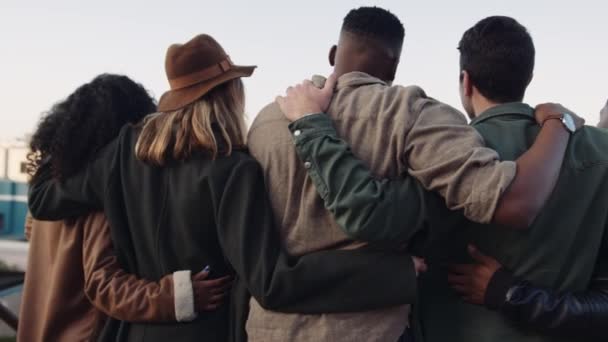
{"points": [[71, 133], [375, 22], [498, 54]]}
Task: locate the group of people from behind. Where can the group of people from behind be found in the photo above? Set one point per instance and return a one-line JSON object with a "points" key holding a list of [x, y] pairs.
{"points": [[169, 221]]}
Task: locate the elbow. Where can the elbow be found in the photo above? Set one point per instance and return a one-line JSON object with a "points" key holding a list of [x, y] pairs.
{"points": [[271, 297], [267, 302], [519, 217], [525, 216], [90, 290]]}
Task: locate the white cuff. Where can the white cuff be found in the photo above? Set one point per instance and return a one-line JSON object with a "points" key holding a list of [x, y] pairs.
{"points": [[183, 296]]}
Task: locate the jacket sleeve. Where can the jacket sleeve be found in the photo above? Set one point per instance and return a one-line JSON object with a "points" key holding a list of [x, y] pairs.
{"points": [[577, 314], [448, 156], [321, 282], [124, 296], [51, 199], [363, 206]]}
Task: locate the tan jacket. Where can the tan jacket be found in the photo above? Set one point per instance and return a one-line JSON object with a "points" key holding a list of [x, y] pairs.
{"points": [[395, 130], [73, 280]]}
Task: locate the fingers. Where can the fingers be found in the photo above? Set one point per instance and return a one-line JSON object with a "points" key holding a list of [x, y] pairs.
{"points": [[211, 307], [214, 302], [217, 298], [466, 293], [289, 91], [330, 84], [454, 279], [464, 269], [220, 289], [461, 289], [419, 265], [480, 257], [210, 294], [202, 275], [303, 99], [219, 282]]}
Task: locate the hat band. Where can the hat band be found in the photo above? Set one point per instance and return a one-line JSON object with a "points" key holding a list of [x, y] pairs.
{"points": [[201, 75]]}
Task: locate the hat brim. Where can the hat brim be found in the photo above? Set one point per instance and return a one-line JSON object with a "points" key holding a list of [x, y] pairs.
{"points": [[179, 98]]}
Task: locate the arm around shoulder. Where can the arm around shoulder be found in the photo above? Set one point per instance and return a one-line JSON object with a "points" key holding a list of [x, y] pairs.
{"points": [[331, 281], [366, 208]]}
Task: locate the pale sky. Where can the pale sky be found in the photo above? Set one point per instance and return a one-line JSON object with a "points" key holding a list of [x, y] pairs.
{"points": [[48, 48]]}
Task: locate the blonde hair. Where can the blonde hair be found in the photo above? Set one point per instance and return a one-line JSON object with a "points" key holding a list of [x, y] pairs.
{"points": [[177, 134]]}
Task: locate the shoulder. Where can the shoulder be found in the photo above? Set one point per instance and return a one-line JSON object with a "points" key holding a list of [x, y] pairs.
{"points": [[270, 115], [238, 170], [237, 162], [411, 97], [590, 145], [268, 131]]}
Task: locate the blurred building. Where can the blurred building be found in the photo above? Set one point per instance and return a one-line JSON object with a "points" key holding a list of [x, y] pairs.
{"points": [[13, 189]]}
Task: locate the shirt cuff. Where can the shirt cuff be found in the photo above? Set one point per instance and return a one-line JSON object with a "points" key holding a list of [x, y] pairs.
{"points": [[498, 288], [183, 296], [487, 193], [311, 127], [308, 134]]}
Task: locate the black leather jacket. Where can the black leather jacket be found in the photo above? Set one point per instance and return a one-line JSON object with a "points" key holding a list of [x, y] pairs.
{"points": [[580, 314]]}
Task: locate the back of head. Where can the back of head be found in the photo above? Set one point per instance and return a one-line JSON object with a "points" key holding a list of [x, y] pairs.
{"points": [[73, 130], [214, 124], [371, 40], [498, 54]]}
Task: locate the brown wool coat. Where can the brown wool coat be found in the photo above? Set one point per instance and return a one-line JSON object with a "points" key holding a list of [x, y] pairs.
{"points": [[73, 280]]}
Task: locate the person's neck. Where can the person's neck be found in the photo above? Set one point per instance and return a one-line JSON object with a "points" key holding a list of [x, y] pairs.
{"points": [[374, 73], [482, 104]]}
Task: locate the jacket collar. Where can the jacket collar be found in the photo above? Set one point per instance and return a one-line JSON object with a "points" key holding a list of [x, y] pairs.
{"points": [[357, 79], [512, 108]]}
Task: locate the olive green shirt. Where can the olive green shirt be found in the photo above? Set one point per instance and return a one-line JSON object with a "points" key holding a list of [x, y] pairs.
{"points": [[559, 251]]}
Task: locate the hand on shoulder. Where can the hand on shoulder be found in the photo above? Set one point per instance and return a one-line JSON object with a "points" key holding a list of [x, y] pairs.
{"points": [[305, 98]]}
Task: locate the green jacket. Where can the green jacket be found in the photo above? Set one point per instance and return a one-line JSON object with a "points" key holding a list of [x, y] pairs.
{"points": [[559, 251]]}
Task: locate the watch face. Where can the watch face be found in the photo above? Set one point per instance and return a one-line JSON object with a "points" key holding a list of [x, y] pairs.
{"points": [[569, 122]]}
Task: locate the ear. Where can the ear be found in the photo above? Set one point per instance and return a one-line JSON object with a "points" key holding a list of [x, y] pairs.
{"points": [[332, 55], [467, 85]]}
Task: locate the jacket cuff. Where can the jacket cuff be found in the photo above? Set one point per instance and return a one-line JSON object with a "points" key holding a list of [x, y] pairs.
{"points": [[312, 126], [183, 296], [498, 287]]}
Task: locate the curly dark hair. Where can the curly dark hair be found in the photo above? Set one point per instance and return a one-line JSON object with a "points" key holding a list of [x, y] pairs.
{"points": [[70, 134]]}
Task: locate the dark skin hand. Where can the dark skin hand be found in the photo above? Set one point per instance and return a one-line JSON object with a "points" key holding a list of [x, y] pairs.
{"points": [[471, 280], [209, 294]]}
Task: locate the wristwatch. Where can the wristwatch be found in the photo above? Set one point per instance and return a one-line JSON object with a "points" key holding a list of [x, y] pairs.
{"points": [[566, 120]]}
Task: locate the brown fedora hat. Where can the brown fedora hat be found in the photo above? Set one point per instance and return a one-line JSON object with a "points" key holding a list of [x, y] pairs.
{"points": [[194, 68]]}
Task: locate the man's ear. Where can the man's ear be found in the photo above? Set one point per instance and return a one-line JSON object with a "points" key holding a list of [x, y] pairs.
{"points": [[467, 85], [332, 55]]}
